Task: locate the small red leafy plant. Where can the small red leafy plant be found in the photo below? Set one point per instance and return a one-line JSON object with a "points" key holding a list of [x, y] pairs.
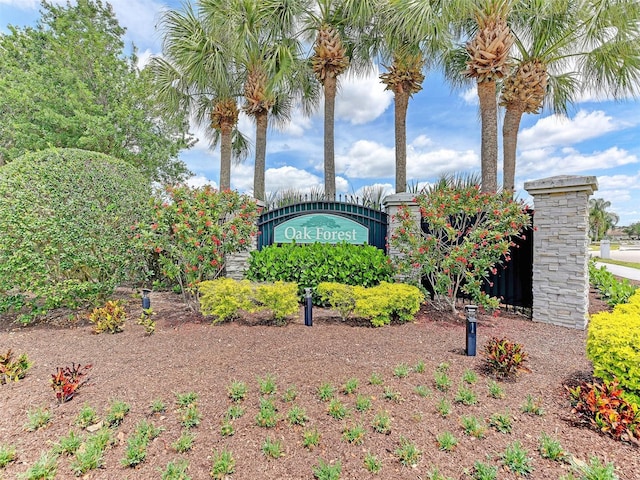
{"points": [[67, 381], [13, 369], [602, 407], [504, 359]]}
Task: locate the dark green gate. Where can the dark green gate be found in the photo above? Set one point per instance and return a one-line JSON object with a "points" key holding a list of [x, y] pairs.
{"points": [[373, 219]]}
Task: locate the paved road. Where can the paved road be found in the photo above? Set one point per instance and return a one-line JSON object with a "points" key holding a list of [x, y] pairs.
{"points": [[626, 256]]}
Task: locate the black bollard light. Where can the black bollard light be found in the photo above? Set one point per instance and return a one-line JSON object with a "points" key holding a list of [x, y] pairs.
{"points": [[308, 308], [146, 301], [472, 322]]}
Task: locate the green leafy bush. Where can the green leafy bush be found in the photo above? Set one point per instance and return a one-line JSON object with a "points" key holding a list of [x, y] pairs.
{"points": [[469, 233], [612, 290], [65, 220], [380, 303], [225, 298], [309, 265], [613, 345], [193, 230]]}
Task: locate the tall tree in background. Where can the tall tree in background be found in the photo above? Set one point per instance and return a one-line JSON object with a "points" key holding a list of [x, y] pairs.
{"points": [[68, 83], [600, 220], [488, 63], [340, 31], [197, 72], [414, 35], [562, 49]]}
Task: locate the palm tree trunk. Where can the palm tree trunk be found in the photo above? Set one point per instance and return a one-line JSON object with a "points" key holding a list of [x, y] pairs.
{"points": [[329, 147], [510, 129], [489, 148], [225, 158], [401, 106], [262, 120]]}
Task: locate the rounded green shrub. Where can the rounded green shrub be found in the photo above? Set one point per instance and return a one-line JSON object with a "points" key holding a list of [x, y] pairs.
{"points": [[613, 345], [308, 265], [65, 222]]}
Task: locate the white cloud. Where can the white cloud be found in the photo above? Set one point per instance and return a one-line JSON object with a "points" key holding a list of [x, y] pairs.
{"points": [[200, 181], [286, 178], [26, 4], [556, 130], [569, 161], [362, 99], [367, 159], [470, 96], [140, 18]]}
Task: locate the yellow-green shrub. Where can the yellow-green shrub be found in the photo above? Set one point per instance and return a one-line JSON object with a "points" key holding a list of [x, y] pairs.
{"points": [[225, 298], [109, 318], [280, 298], [338, 296], [613, 345], [379, 304]]}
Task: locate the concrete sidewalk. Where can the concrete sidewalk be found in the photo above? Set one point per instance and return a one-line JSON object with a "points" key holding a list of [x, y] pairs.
{"points": [[623, 255]]}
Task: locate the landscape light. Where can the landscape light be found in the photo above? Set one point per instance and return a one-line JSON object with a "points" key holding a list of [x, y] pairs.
{"points": [[146, 301], [470, 311], [308, 308]]}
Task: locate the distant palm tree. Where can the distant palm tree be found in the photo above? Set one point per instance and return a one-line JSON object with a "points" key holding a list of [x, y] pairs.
{"points": [[339, 30], [413, 35], [196, 71], [564, 48], [600, 220]]}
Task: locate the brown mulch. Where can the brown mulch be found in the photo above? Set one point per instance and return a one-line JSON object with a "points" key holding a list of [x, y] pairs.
{"points": [[188, 354]]}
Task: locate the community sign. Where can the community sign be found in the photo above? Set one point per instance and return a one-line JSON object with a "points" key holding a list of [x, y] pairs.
{"points": [[321, 228]]}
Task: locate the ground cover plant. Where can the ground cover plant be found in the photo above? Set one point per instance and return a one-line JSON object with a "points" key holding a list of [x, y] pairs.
{"points": [[391, 425]]}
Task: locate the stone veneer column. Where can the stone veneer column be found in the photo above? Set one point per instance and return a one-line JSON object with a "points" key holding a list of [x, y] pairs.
{"points": [[560, 249], [391, 205], [238, 263]]}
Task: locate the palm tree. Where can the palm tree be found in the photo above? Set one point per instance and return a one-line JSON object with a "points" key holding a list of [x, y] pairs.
{"points": [[414, 35], [339, 31], [197, 72], [488, 63], [563, 48], [600, 220]]}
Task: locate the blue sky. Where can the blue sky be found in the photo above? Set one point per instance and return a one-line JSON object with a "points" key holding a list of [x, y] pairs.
{"points": [[600, 138]]}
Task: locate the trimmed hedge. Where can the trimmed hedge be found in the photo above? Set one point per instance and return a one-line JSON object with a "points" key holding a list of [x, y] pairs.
{"points": [[613, 345], [309, 265]]}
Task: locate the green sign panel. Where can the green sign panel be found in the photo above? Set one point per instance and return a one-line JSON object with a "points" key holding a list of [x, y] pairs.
{"points": [[322, 228]]}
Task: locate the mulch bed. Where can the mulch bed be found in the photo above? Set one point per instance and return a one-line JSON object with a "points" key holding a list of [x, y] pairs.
{"points": [[188, 354]]}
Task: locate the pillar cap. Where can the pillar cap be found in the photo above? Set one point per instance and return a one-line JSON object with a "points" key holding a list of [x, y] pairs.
{"points": [[562, 184], [395, 199]]}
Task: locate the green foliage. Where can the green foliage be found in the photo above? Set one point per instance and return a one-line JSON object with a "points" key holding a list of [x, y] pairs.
{"points": [[65, 227], [501, 422], [183, 400], [158, 406], [147, 321], [443, 407], [268, 414], [337, 409], [419, 367], [532, 406], [338, 296], [392, 395], [473, 426], [223, 464], [12, 370], [234, 412], [376, 379], [267, 384], [68, 380], [612, 290], [68, 82], [193, 230], [603, 407], [90, 455], [176, 470], [422, 391], [310, 265], [469, 377], [7, 455], [550, 448], [290, 394], [109, 318], [382, 423], [401, 370], [68, 445], [354, 434], [86, 416], [516, 459], [310, 438], [469, 234], [116, 413], [446, 441], [184, 443], [237, 390], [613, 345], [297, 416], [350, 386], [272, 448], [37, 418], [442, 381], [136, 450], [363, 403], [407, 453], [466, 396], [495, 390], [504, 358], [482, 471], [327, 471], [326, 391], [226, 298], [371, 463], [227, 430], [387, 301], [594, 469], [45, 468]]}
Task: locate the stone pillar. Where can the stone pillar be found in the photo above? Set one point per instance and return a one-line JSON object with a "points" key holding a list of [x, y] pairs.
{"points": [[561, 249], [392, 204], [238, 263]]}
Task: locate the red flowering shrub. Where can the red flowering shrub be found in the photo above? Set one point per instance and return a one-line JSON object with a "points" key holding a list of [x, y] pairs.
{"points": [[467, 235], [194, 230]]}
